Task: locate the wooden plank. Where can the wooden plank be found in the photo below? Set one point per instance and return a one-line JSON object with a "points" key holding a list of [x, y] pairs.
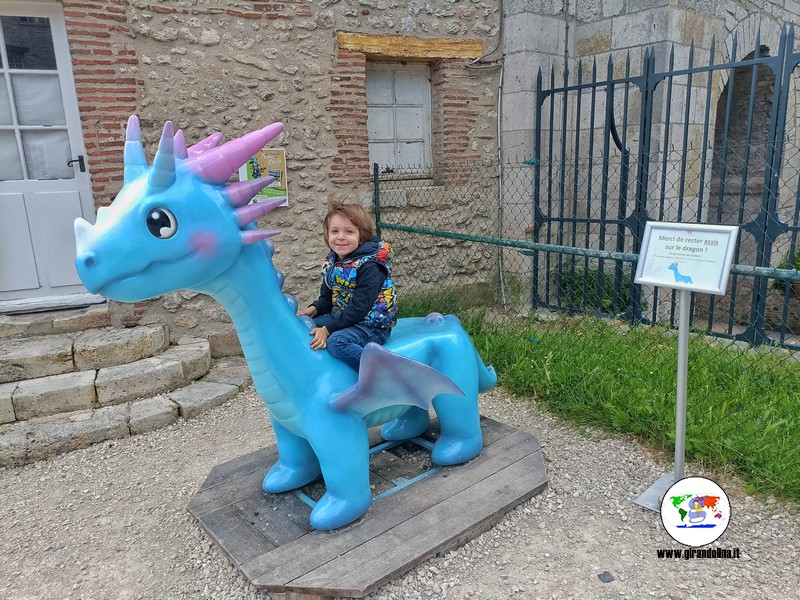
{"points": [[243, 465], [237, 538], [368, 566], [495, 430], [492, 431], [390, 467], [222, 495], [399, 47], [280, 518], [317, 547]]}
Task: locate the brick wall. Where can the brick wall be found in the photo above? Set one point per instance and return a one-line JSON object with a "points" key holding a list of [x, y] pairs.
{"points": [[348, 108], [106, 86]]}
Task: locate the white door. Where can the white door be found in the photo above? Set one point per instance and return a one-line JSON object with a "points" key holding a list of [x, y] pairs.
{"points": [[40, 193]]}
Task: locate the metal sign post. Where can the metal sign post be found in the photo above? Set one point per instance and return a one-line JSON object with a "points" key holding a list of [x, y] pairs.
{"points": [[688, 257]]}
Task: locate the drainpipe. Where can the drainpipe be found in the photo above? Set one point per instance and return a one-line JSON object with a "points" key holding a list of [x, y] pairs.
{"points": [[499, 63]]}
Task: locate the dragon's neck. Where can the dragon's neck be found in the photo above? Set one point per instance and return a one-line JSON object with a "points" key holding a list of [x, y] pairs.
{"points": [[274, 340]]}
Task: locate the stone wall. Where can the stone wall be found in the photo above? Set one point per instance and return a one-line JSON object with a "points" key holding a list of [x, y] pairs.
{"points": [[234, 66]]}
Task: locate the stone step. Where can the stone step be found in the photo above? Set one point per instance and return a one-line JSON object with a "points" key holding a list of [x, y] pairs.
{"points": [[57, 321], [42, 437], [107, 386], [51, 354]]}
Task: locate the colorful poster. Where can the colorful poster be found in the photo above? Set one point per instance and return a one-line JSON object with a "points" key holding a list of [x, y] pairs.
{"points": [[268, 162]]}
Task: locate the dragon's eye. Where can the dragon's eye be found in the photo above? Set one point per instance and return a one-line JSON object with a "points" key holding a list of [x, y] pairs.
{"points": [[162, 223]]}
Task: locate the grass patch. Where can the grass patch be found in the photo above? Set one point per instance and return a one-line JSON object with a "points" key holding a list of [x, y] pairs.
{"points": [[446, 300], [578, 288], [742, 406]]}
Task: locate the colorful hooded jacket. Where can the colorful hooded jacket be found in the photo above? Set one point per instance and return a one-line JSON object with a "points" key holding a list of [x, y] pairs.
{"points": [[358, 290]]}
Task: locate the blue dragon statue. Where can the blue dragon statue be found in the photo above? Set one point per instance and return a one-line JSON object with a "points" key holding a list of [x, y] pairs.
{"points": [[178, 225]]}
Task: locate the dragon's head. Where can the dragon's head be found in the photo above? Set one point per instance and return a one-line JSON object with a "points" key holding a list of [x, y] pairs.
{"points": [[175, 224]]}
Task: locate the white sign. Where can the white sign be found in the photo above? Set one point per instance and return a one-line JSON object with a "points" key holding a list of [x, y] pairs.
{"points": [[687, 256]]}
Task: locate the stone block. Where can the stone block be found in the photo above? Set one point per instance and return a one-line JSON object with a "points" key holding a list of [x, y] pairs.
{"points": [[224, 343], [6, 405], [232, 370], [195, 358], [11, 327], [108, 347], [54, 394], [152, 413], [13, 444], [27, 358], [141, 379], [642, 28], [594, 38], [533, 33], [201, 396], [94, 317], [48, 436]]}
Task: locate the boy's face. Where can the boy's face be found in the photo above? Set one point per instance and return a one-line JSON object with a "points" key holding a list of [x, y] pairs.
{"points": [[342, 235]]}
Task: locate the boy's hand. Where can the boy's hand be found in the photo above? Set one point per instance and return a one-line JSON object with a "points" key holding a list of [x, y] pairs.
{"points": [[320, 339], [311, 311]]}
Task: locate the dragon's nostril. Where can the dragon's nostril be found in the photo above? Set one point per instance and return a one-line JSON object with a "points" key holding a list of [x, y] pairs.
{"points": [[88, 260]]}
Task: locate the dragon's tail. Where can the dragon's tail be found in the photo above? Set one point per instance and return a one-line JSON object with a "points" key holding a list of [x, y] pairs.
{"points": [[487, 377]]}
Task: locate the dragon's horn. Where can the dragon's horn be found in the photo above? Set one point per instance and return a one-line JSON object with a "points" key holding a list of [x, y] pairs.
{"points": [[242, 192], [180, 145], [256, 235], [133, 154], [217, 165], [251, 212], [163, 173], [206, 144]]}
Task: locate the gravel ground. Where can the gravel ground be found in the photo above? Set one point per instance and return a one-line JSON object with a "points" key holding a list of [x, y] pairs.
{"points": [[110, 522]]}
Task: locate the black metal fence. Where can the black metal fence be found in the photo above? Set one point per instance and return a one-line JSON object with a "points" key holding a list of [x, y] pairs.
{"points": [[700, 144], [560, 234]]}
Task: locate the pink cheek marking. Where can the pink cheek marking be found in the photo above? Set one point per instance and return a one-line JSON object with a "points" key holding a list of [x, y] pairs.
{"points": [[204, 243]]}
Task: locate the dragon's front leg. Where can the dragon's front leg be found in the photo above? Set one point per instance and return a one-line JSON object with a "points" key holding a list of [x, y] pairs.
{"points": [[297, 464], [342, 447]]}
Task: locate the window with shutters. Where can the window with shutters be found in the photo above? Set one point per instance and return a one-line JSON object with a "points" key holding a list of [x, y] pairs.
{"points": [[399, 116]]}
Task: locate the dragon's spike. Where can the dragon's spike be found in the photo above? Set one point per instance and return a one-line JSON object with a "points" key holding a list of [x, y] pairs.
{"points": [[281, 277], [250, 212], [206, 144], [217, 165], [133, 154], [180, 145], [251, 236], [242, 192], [291, 301], [163, 174]]}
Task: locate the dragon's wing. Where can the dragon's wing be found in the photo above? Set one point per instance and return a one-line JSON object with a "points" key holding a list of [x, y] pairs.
{"points": [[388, 379]]}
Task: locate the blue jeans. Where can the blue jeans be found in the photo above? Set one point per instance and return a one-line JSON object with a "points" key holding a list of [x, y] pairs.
{"points": [[347, 344]]}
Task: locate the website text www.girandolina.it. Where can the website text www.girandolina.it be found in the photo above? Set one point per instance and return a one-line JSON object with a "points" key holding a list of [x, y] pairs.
{"points": [[689, 553]]}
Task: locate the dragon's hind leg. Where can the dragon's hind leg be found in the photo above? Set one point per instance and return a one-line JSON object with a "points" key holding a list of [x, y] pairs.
{"points": [[461, 438], [413, 423], [297, 464]]}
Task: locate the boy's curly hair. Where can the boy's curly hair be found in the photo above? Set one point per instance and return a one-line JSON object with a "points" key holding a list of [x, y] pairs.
{"points": [[354, 213]]}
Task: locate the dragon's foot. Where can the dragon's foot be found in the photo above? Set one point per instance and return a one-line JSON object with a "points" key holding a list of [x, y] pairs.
{"points": [[282, 478], [454, 451], [332, 512], [415, 422]]}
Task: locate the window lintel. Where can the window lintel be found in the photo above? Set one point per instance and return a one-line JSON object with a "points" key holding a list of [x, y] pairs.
{"points": [[404, 47]]}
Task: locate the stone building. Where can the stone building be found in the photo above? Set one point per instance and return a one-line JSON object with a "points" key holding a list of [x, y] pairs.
{"points": [[323, 67]]}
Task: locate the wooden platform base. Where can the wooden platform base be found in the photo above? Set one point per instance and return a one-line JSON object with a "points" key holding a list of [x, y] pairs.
{"points": [[418, 511]]}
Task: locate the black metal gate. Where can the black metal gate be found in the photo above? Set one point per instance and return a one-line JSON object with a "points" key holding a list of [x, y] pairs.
{"points": [[700, 144]]}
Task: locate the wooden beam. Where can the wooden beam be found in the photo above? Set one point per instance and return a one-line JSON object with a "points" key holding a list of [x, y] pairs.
{"points": [[409, 48]]}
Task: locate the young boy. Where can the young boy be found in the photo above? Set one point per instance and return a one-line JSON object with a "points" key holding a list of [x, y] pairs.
{"points": [[357, 302]]}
